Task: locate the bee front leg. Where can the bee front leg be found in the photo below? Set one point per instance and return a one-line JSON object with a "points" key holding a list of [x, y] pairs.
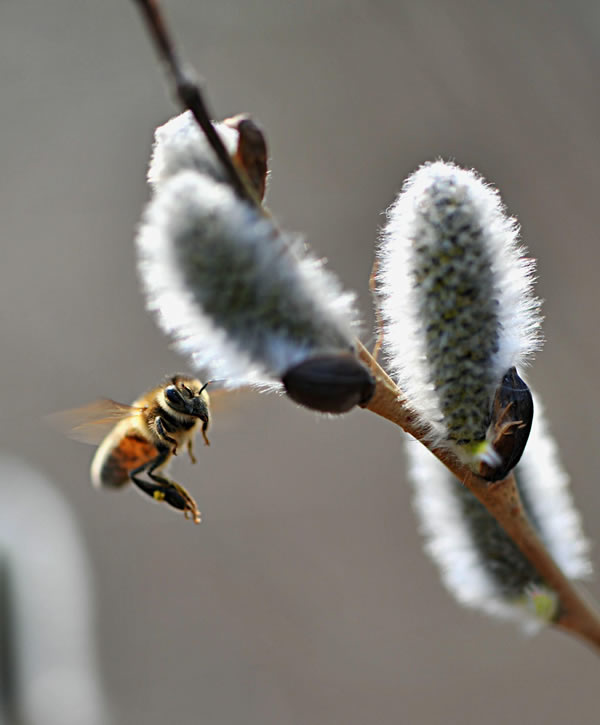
{"points": [[163, 434], [204, 429], [190, 448]]}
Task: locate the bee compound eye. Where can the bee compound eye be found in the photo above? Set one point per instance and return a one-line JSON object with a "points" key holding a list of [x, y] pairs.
{"points": [[173, 395], [330, 383]]}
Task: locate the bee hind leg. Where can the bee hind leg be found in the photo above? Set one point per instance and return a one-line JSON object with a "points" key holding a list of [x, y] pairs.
{"points": [[176, 496], [161, 488]]}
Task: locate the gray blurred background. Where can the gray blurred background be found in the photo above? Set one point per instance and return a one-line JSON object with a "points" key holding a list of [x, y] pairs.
{"points": [[304, 597]]}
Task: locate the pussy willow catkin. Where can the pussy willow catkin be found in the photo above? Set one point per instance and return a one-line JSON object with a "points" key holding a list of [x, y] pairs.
{"points": [[456, 297], [246, 301], [478, 562]]}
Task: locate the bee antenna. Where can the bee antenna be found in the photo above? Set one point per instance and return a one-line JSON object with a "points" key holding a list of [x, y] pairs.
{"points": [[203, 388]]}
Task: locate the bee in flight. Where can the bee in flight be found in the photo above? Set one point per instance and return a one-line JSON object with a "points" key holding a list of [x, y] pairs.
{"points": [[143, 438]]}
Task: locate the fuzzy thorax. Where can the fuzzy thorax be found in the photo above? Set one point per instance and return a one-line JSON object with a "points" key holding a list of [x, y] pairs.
{"points": [[456, 297], [242, 298]]}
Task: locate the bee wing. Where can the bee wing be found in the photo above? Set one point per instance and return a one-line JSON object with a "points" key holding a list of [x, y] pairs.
{"points": [[223, 399], [91, 423], [228, 404]]}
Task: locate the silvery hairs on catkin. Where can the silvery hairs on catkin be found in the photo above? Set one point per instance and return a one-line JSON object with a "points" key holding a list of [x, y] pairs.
{"points": [[478, 562], [456, 298], [180, 144], [245, 300]]}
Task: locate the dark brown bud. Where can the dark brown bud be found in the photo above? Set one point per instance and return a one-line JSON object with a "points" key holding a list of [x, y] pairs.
{"points": [[251, 152], [512, 415], [330, 383]]}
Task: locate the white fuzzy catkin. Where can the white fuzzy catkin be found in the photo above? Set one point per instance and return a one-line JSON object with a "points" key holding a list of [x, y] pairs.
{"points": [[242, 298], [456, 299], [180, 144], [479, 563]]}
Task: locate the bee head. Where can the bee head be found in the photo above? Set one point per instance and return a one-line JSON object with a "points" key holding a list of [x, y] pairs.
{"points": [[185, 395]]}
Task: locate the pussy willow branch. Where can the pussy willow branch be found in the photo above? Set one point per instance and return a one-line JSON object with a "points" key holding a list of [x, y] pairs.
{"points": [[501, 499]]}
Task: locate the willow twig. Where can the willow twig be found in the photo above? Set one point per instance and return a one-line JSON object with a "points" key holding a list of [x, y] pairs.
{"points": [[501, 499], [189, 93]]}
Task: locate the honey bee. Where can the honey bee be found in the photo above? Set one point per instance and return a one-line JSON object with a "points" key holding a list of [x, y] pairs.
{"points": [[143, 438]]}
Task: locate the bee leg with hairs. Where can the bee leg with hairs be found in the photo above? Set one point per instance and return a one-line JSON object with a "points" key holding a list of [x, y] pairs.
{"points": [[176, 496], [161, 429], [203, 431], [161, 488], [190, 448]]}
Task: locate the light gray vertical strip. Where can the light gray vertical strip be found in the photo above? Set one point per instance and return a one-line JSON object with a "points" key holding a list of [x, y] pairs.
{"points": [[48, 616], [7, 654]]}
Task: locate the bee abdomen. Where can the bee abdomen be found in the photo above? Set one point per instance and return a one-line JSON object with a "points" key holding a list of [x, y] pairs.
{"points": [[111, 469], [112, 473]]}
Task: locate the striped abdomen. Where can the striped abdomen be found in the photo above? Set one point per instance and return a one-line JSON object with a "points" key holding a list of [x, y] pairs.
{"points": [[115, 460]]}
